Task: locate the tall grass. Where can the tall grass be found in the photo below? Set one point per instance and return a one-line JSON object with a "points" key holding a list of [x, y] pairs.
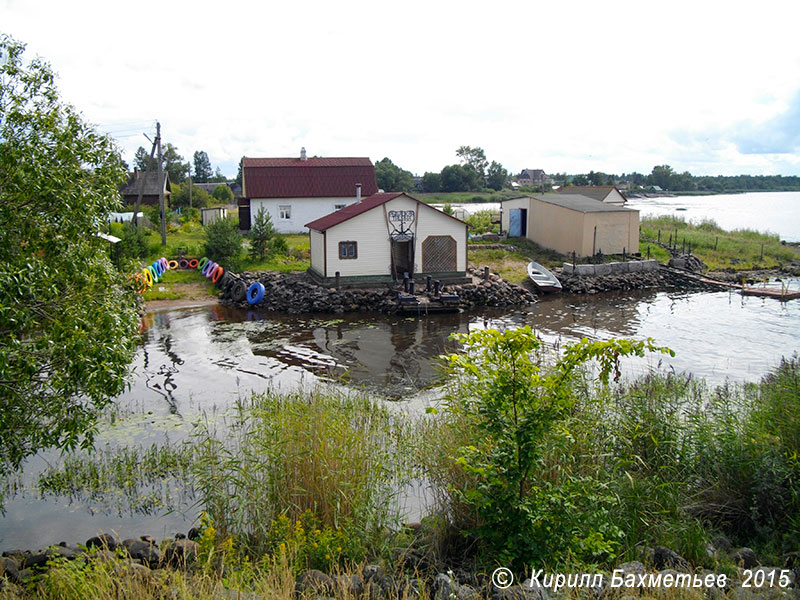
{"points": [[664, 460], [719, 249], [322, 459]]}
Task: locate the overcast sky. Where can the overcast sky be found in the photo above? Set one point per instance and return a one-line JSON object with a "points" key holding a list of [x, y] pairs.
{"points": [[704, 86]]}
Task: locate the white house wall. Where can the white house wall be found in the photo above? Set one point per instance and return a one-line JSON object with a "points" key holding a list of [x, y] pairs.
{"points": [[370, 231], [317, 242], [304, 210]]}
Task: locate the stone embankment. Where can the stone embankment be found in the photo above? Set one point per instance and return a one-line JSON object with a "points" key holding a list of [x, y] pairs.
{"points": [[631, 275], [297, 294]]}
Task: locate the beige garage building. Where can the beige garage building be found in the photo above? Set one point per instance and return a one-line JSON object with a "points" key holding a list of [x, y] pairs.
{"points": [[384, 236], [570, 223]]}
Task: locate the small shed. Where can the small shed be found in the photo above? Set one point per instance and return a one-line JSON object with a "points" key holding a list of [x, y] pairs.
{"points": [[210, 215], [385, 236], [570, 223]]}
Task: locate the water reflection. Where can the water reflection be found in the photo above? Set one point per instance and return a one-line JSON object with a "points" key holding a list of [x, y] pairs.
{"points": [[200, 360], [197, 358]]}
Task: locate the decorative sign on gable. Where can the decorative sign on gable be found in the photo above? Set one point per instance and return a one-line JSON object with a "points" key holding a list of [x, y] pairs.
{"points": [[401, 222]]}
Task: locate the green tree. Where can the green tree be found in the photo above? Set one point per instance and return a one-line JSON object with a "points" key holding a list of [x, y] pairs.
{"points": [[392, 178], [662, 176], [68, 322], [223, 194], [431, 182], [141, 160], [180, 197], [173, 164], [202, 167], [496, 176], [223, 243], [460, 178], [261, 234], [218, 177], [475, 158]]}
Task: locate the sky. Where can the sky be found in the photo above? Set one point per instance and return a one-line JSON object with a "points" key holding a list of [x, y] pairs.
{"points": [[566, 86]]}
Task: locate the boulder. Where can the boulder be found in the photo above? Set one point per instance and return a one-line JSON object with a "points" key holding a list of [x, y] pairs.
{"points": [[180, 552], [314, 582]]}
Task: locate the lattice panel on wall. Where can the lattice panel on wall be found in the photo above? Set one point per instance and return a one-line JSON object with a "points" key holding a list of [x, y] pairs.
{"points": [[438, 254]]}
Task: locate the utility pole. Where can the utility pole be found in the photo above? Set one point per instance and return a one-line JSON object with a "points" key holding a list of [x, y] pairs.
{"points": [[190, 186], [143, 176], [160, 172]]}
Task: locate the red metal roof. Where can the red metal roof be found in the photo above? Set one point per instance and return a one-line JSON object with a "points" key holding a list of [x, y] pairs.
{"points": [[352, 210], [310, 178]]}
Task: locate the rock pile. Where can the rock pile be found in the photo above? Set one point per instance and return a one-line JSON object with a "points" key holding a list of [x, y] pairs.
{"points": [[297, 293], [581, 284], [141, 555]]}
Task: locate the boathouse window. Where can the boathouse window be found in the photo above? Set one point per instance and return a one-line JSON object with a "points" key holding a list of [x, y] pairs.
{"points": [[339, 206], [348, 250], [285, 212]]}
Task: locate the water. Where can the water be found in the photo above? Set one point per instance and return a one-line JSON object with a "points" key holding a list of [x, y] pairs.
{"points": [[196, 362], [774, 212]]}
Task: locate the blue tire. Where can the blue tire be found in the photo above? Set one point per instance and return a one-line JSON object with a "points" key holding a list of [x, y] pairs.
{"points": [[255, 293]]}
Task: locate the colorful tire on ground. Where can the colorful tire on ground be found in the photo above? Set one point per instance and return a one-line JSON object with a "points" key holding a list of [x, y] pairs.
{"points": [[239, 291], [153, 273], [207, 268], [255, 293], [217, 274], [159, 268], [164, 263], [173, 264], [193, 263], [148, 277], [183, 263], [203, 262]]}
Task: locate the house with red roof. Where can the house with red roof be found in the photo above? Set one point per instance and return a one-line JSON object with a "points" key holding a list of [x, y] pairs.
{"points": [[294, 191], [384, 236]]}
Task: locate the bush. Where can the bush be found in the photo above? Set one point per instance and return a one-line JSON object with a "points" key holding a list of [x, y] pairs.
{"points": [[223, 194], [223, 243], [510, 409], [133, 244]]}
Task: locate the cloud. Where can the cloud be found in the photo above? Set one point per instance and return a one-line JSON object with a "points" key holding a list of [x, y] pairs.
{"points": [[778, 135]]}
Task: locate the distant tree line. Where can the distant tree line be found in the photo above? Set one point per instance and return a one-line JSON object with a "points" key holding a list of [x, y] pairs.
{"points": [[474, 173], [667, 178]]}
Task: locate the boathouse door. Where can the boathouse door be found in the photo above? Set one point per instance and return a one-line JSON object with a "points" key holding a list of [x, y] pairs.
{"points": [[402, 258], [518, 222]]}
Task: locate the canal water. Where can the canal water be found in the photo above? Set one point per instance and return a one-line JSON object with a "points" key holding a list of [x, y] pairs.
{"points": [[197, 362]]}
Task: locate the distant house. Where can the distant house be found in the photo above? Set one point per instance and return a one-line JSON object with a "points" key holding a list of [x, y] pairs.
{"points": [[603, 193], [533, 178], [384, 236], [570, 223], [294, 191], [148, 182]]}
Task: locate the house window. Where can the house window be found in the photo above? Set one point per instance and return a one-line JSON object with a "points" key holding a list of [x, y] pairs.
{"points": [[339, 206], [285, 213], [348, 250]]}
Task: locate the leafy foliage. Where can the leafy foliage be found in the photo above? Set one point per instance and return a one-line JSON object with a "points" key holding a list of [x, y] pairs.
{"points": [[392, 178], [222, 194], [223, 243], [68, 322], [511, 403]]}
